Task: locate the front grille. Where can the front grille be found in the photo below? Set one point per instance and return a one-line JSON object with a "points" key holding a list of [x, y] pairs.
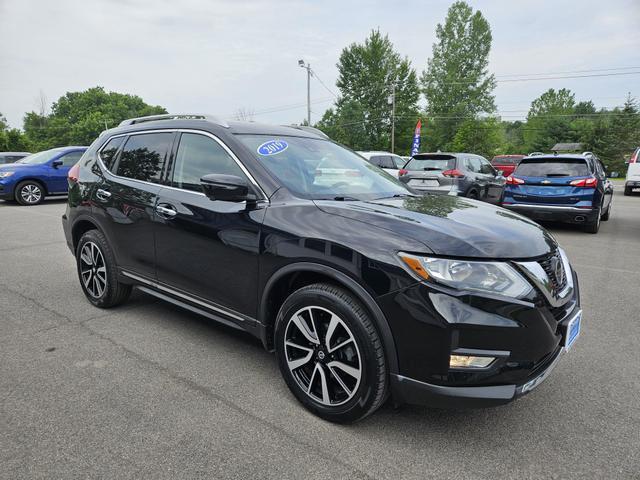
{"points": [[554, 268]]}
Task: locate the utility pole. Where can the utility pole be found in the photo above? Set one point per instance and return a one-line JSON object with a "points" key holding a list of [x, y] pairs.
{"points": [[309, 73], [393, 117]]}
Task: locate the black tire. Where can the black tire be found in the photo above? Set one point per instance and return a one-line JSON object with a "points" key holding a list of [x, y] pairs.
{"points": [[607, 214], [29, 193], [594, 226], [112, 292], [627, 191], [473, 195], [349, 399]]}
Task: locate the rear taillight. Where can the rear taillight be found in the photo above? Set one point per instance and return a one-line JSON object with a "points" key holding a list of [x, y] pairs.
{"points": [[634, 158], [514, 180], [74, 173], [402, 171], [454, 173], [585, 182]]}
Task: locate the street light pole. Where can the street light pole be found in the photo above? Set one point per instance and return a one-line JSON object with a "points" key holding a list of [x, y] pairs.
{"points": [[308, 68]]}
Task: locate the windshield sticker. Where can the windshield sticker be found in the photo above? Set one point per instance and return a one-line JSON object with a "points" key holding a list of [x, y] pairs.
{"points": [[272, 147]]}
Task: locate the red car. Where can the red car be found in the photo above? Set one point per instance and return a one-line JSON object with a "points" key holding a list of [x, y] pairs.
{"points": [[506, 163]]}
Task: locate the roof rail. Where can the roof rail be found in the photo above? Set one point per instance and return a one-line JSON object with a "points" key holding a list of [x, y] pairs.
{"points": [[536, 154], [169, 116], [588, 154], [307, 128]]}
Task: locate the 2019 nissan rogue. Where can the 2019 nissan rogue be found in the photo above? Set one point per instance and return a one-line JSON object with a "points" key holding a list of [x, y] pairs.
{"points": [[362, 288]]}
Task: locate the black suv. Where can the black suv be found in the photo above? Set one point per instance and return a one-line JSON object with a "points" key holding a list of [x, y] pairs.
{"points": [[363, 289]]}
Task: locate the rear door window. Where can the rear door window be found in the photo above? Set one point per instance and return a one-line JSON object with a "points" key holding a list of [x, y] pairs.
{"points": [[377, 160], [560, 167], [143, 156], [473, 164]]}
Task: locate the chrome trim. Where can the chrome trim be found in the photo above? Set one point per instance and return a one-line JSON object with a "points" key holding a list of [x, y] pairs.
{"points": [[537, 275], [543, 207], [531, 384], [184, 296], [182, 130], [180, 116]]}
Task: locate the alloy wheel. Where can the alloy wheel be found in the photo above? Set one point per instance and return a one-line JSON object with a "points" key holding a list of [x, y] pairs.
{"points": [[31, 193], [323, 356], [93, 271]]}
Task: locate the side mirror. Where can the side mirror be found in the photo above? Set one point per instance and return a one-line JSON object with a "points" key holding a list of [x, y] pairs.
{"points": [[57, 163], [227, 188]]}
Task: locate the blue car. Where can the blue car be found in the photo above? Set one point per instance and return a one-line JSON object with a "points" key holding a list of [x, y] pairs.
{"points": [[564, 188], [29, 180]]}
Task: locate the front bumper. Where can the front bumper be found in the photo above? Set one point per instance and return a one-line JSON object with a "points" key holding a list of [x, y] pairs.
{"points": [[6, 191], [554, 213], [527, 335]]}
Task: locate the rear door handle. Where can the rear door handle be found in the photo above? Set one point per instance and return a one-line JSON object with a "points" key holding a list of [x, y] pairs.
{"points": [[166, 211], [103, 194]]}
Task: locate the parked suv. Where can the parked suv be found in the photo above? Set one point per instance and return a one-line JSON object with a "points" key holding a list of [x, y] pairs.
{"points": [[458, 174], [29, 180], [568, 188], [389, 162], [12, 157], [632, 180], [363, 289]]}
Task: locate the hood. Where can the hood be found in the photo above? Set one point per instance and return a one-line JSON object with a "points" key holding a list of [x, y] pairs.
{"points": [[452, 226], [17, 166]]}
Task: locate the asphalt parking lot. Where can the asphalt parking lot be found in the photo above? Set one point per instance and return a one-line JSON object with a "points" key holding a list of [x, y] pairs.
{"points": [[150, 391]]}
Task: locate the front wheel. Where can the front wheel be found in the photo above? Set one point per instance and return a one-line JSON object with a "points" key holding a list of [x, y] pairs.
{"points": [[330, 354], [607, 214], [29, 192]]}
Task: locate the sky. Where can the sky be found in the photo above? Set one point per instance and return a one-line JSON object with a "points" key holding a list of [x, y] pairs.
{"points": [[221, 56]]}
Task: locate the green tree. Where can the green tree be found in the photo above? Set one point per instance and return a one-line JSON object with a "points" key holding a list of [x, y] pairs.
{"points": [[77, 118], [484, 137], [361, 117], [456, 82], [12, 139], [549, 120]]}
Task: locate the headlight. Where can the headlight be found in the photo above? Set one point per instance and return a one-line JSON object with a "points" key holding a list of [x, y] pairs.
{"points": [[492, 277], [6, 174]]}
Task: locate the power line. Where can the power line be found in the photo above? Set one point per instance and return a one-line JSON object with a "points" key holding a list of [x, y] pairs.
{"points": [[565, 72]]}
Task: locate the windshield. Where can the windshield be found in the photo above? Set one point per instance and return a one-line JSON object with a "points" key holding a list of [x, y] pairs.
{"points": [[553, 168], [431, 164], [40, 157], [320, 169]]}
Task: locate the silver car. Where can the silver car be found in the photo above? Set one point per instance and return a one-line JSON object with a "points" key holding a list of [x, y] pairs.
{"points": [[460, 174]]}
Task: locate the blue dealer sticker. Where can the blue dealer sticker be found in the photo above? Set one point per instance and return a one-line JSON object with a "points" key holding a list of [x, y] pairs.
{"points": [[272, 147]]}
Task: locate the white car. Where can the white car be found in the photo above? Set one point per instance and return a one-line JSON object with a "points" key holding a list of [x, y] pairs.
{"points": [[389, 162], [633, 174]]}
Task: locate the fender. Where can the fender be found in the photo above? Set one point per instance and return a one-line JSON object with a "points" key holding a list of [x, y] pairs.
{"points": [[360, 292]]}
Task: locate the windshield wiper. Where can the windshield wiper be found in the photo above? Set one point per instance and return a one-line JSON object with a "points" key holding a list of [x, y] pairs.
{"points": [[345, 198], [551, 175], [431, 169], [398, 195]]}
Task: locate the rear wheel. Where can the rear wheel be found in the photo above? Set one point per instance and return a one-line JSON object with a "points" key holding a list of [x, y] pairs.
{"points": [[472, 194], [594, 226], [98, 272], [330, 354], [607, 214], [29, 192]]}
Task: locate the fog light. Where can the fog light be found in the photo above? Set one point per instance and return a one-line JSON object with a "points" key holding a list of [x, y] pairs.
{"points": [[468, 361]]}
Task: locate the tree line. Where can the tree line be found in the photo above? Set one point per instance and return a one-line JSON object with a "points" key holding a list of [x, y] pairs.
{"points": [[459, 112]]}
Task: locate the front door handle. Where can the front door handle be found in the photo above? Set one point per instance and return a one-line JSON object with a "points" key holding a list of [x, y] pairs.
{"points": [[165, 211], [103, 194]]}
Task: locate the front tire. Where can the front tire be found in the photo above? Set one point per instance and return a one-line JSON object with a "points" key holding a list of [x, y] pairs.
{"points": [[607, 214], [330, 354], [627, 191], [29, 193], [98, 272]]}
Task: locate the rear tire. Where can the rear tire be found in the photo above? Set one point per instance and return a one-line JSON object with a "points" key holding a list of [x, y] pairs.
{"points": [[98, 272], [330, 354], [29, 193], [472, 194], [594, 226]]}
